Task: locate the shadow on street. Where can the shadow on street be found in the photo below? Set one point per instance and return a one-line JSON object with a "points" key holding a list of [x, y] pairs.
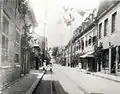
{"points": [[48, 72], [48, 86], [45, 88]]}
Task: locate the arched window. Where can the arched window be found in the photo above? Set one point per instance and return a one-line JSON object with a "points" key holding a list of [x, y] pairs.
{"points": [[94, 40], [86, 43], [82, 43], [90, 40]]}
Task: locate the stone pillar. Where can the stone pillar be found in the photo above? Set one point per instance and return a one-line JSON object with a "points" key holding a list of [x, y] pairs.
{"points": [[110, 59], [117, 59]]}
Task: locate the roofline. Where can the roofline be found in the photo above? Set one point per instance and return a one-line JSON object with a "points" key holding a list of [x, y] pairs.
{"points": [[106, 11], [85, 31]]}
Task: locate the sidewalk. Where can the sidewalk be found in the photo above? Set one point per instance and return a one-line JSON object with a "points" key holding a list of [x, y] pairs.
{"points": [[103, 75], [25, 85]]}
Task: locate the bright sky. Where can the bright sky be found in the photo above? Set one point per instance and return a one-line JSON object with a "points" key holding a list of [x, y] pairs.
{"points": [[51, 12]]}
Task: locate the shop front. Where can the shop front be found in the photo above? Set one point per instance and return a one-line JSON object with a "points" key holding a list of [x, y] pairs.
{"points": [[88, 62]]}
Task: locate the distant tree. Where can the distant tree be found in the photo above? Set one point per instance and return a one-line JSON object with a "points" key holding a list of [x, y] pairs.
{"points": [[55, 51]]}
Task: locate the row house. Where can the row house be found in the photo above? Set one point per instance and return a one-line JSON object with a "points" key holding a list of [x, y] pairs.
{"points": [[67, 54], [11, 29], [108, 34], [101, 27], [85, 42]]}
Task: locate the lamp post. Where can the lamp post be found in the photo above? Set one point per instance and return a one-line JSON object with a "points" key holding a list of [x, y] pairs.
{"points": [[44, 39], [70, 22], [45, 23], [70, 41]]}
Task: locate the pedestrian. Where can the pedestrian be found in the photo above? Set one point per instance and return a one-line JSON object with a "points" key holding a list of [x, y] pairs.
{"points": [[44, 65], [50, 67], [80, 66]]}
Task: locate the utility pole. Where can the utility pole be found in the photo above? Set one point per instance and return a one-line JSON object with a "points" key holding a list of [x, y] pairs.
{"points": [[45, 34], [44, 39], [71, 20]]}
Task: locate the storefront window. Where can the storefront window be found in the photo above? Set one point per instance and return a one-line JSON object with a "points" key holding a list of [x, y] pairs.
{"points": [[16, 58], [5, 32]]}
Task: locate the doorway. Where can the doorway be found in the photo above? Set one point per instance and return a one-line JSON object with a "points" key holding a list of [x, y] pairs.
{"points": [[113, 58]]}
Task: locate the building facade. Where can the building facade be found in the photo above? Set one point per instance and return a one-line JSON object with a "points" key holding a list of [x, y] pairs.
{"points": [[85, 39], [11, 28], [108, 34], [99, 29]]}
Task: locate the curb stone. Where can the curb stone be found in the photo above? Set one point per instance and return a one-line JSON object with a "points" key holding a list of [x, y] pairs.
{"points": [[106, 78], [34, 85], [90, 73]]}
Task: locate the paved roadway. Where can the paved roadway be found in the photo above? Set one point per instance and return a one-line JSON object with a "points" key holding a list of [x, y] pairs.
{"points": [[66, 80], [57, 83]]}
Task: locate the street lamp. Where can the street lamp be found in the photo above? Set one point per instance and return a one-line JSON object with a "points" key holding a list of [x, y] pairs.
{"points": [[45, 23], [71, 20]]}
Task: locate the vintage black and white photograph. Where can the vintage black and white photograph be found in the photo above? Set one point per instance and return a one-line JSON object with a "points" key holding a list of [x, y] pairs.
{"points": [[59, 47]]}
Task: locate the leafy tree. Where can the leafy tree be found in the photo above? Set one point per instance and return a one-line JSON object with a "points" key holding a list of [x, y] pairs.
{"points": [[99, 53], [22, 8], [26, 37]]}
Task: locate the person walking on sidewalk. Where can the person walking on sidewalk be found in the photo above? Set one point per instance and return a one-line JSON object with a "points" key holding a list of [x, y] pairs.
{"points": [[80, 66], [44, 65]]}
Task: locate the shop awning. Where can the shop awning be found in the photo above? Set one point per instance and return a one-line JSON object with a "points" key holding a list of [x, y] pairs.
{"points": [[89, 54]]}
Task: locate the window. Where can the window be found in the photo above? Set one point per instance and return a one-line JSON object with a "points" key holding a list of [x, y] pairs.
{"points": [[5, 26], [90, 40], [114, 21], [86, 43], [94, 40], [5, 32], [79, 46], [82, 43], [100, 29], [105, 27], [17, 37], [4, 42], [16, 58]]}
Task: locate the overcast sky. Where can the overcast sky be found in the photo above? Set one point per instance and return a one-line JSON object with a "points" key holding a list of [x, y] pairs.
{"points": [[51, 13]]}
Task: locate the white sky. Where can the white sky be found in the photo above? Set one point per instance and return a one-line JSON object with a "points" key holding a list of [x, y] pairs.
{"points": [[51, 12]]}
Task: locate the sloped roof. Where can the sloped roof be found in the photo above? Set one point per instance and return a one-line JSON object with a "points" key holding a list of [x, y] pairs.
{"points": [[104, 5]]}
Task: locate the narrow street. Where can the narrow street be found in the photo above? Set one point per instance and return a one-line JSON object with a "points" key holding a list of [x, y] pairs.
{"points": [[57, 83], [78, 39], [65, 80]]}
